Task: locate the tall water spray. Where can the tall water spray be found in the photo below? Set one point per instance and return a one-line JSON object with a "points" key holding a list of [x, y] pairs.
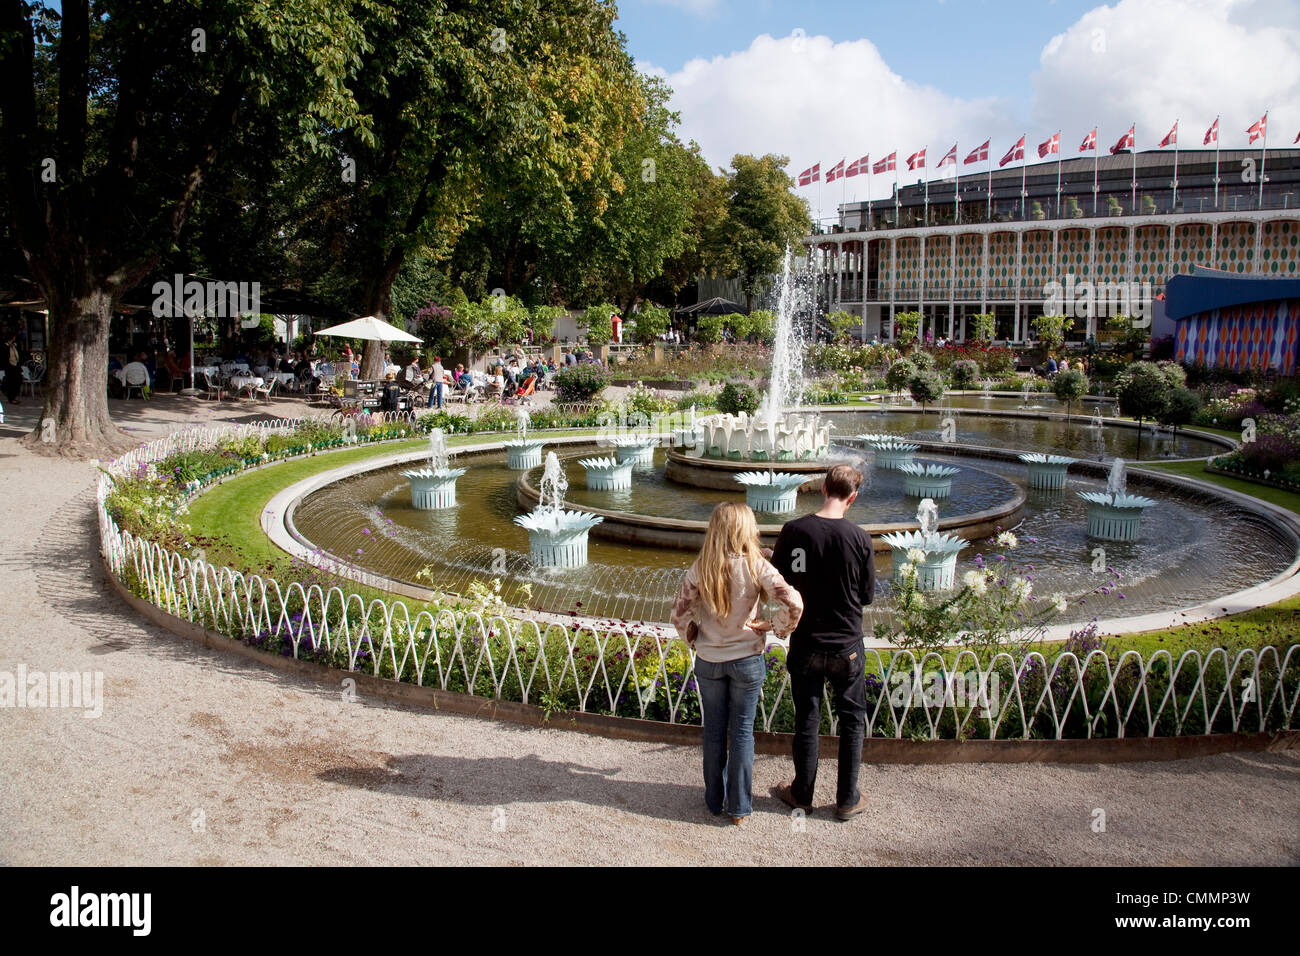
{"points": [[786, 387]]}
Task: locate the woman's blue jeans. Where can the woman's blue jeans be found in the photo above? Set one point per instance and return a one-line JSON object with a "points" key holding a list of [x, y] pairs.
{"points": [[729, 697]]}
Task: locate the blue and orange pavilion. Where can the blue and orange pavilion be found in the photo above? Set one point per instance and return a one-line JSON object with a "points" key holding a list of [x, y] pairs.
{"points": [[1235, 321]]}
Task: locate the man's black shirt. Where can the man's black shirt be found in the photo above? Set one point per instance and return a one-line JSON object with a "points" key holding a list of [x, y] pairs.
{"points": [[829, 562]]}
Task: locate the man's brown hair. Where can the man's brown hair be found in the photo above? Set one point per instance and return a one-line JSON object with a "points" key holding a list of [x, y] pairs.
{"points": [[842, 482]]}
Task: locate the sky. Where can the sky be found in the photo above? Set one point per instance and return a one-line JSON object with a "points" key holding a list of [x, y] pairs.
{"points": [[821, 81]]}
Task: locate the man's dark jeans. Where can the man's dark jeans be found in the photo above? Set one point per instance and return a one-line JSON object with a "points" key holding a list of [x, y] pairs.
{"points": [[810, 672]]}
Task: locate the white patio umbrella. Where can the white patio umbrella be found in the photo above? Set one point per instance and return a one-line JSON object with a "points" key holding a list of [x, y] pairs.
{"points": [[370, 327]]}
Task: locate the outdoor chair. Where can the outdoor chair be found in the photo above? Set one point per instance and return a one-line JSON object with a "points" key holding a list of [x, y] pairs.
{"points": [[33, 373], [136, 376]]}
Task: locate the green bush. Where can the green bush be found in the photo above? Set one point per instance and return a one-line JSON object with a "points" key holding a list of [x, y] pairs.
{"points": [[1181, 407], [1142, 390], [650, 323], [737, 397], [580, 383], [926, 386], [965, 373], [1069, 387], [598, 324], [708, 329], [900, 373], [762, 325], [447, 421], [922, 358]]}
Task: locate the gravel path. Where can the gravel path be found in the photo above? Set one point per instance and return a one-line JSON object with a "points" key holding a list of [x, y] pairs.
{"points": [[202, 758]]}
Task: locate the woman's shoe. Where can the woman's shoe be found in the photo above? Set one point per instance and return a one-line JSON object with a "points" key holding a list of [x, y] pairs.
{"points": [[738, 821]]}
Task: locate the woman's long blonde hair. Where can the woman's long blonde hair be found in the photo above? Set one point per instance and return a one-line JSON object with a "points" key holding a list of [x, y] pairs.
{"points": [[732, 531]]}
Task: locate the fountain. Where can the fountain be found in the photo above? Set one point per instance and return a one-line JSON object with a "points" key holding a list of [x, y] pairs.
{"points": [[1047, 472], [770, 491], [688, 437], [607, 474], [523, 452], [1115, 515], [556, 538], [434, 487], [927, 481], [931, 554], [1024, 397], [635, 449], [893, 452]]}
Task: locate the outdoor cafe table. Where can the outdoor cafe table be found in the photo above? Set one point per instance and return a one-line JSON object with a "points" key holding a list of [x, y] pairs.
{"points": [[250, 382]]}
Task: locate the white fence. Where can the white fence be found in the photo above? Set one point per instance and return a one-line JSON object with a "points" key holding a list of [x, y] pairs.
{"points": [[594, 668]]}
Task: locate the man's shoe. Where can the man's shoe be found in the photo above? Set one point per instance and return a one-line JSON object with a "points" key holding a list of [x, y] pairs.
{"points": [[845, 813], [786, 794], [738, 821]]}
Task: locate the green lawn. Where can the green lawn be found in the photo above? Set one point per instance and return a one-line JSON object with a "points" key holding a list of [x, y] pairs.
{"points": [[1196, 469]]}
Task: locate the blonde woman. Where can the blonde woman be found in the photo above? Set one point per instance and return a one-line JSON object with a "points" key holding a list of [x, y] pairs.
{"points": [[715, 612]]}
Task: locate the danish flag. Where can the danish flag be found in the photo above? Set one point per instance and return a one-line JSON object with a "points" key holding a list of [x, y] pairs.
{"points": [[886, 164], [1053, 145], [1015, 152], [858, 166], [1212, 134], [916, 160], [1258, 129], [835, 172], [810, 175], [949, 157], [1089, 141], [1171, 138], [1127, 141], [978, 154]]}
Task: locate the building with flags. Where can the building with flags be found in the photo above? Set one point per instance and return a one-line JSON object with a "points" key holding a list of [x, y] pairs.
{"points": [[992, 239]]}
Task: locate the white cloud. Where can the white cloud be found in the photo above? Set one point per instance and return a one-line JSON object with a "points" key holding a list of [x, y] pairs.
{"points": [[1149, 61]]}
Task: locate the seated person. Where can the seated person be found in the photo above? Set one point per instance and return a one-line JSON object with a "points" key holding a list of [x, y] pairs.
{"points": [[390, 393], [306, 374], [285, 364], [172, 369]]}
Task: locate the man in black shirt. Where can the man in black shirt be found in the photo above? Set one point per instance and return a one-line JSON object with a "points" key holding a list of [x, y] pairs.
{"points": [[828, 560]]}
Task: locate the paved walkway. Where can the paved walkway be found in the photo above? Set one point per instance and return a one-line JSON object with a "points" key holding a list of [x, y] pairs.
{"points": [[203, 758]]}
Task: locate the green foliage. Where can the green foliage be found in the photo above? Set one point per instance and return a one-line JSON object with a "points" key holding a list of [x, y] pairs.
{"points": [[580, 383], [1069, 387], [965, 374], [842, 324], [651, 322], [598, 323], [1050, 330], [1181, 407], [737, 397], [926, 386], [985, 327], [709, 328], [762, 325], [922, 358], [764, 218], [899, 374], [1142, 390], [1175, 375], [1133, 338], [907, 326], [544, 318]]}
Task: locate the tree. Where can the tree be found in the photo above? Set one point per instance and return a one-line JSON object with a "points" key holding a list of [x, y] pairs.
{"points": [[111, 122], [1180, 408], [906, 327], [708, 329], [926, 386], [544, 319], [1050, 330], [1142, 392], [985, 327], [651, 322], [762, 325], [842, 324], [899, 374], [764, 218], [1069, 386], [598, 322]]}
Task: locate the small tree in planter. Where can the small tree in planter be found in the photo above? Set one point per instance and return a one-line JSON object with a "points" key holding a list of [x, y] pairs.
{"points": [[906, 327], [926, 386], [1069, 387], [651, 322], [985, 327], [598, 323], [1142, 392], [544, 318], [1050, 330], [842, 324]]}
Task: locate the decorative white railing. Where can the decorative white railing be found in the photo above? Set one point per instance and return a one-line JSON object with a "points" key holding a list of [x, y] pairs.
{"points": [[608, 668]]}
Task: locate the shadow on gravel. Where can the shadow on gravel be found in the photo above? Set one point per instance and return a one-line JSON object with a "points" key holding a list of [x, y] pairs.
{"points": [[499, 781]]}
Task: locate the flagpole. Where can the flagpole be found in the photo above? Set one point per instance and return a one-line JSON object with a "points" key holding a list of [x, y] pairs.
{"points": [[1263, 160], [988, 216], [926, 213], [1058, 174], [1024, 195], [1216, 162], [898, 213], [956, 188], [1096, 154], [1174, 203], [1134, 147], [867, 172]]}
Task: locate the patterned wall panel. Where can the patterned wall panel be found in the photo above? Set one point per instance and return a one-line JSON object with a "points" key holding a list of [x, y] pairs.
{"points": [[1002, 266], [909, 267], [1257, 336], [1151, 255], [970, 252], [1280, 253], [1036, 262], [1072, 254], [1237, 246], [1192, 248], [938, 266], [1112, 255]]}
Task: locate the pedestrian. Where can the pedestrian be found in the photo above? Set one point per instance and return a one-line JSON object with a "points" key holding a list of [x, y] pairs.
{"points": [[12, 366], [828, 560], [436, 376], [714, 612]]}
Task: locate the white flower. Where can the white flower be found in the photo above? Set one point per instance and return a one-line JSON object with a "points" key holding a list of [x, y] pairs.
{"points": [[1006, 540], [1021, 589], [976, 581], [915, 556], [907, 573], [1059, 604]]}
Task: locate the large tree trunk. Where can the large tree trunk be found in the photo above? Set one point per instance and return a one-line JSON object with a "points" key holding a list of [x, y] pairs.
{"points": [[75, 420]]}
